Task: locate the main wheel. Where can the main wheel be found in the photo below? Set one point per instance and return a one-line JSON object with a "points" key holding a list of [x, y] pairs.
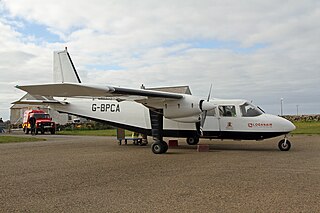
{"points": [[159, 147], [284, 146], [193, 140]]}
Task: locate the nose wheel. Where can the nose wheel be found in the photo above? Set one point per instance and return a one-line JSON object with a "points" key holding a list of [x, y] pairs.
{"points": [[284, 145]]}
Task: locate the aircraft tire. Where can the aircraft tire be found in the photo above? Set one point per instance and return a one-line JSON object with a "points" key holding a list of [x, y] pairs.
{"points": [[166, 147], [284, 147], [192, 140], [159, 147]]}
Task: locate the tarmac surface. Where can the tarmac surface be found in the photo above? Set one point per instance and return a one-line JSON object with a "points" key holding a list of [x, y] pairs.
{"points": [[95, 174]]}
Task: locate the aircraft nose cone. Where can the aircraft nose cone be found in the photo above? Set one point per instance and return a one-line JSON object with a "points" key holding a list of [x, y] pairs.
{"points": [[288, 125], [292, 127], [281, 124]]}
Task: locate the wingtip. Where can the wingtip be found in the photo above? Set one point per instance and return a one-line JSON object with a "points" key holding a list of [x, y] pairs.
{"points": [[110, 89]]}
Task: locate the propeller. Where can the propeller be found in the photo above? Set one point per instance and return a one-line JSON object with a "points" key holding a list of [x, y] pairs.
{"points": [[204, 106]]}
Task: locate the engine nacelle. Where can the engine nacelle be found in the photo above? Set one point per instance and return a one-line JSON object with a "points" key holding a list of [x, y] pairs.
{"points": [[189, 108], [185, 107], [191, 119]]}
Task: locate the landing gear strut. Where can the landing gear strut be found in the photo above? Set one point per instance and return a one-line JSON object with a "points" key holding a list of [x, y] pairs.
{"points": [[284, 144], [159, 146]]}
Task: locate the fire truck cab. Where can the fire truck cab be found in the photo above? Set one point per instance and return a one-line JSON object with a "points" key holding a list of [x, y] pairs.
{"points": [[44, 122]]}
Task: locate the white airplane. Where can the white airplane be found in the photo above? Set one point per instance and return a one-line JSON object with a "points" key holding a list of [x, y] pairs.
{"points": [[157, 113]]}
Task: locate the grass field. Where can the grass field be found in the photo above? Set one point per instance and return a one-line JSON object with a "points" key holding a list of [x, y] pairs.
{"points": [[107, 132], [304, 127], [14, 139]]}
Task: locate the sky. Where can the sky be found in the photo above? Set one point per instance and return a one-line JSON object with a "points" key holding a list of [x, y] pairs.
{"points": [[262, 51]]}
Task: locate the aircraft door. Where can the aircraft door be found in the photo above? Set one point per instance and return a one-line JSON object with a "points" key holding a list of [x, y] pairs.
{"points": [[212, 125], [227, 117]]}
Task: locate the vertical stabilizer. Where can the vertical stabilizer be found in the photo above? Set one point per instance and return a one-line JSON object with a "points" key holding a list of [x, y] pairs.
{"points": [[63, 68]]}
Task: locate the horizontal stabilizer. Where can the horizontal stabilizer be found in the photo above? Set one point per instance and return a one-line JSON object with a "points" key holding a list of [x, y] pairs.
{"points": [[38, 102], [29, 99]]}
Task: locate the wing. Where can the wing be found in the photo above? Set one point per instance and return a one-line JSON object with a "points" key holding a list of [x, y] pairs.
{"points": [[83, 90]]}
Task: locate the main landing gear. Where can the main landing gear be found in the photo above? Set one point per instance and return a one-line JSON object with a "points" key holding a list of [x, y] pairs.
{"points": [[159, 146], [193, 140], [284, 144]]}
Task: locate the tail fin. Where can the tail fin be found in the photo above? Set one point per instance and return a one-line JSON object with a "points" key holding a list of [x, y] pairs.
{"points": [[63, 68]]}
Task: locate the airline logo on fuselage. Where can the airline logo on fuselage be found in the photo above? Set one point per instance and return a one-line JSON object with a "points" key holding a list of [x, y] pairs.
{"points": [[105, 108], [251, 125]]}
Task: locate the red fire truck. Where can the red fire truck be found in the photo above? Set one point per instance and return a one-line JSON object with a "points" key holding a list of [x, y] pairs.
{"points": [[43, 122]]}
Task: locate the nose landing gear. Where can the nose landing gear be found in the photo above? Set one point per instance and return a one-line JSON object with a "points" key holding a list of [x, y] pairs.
{"points": [[284, 144]]}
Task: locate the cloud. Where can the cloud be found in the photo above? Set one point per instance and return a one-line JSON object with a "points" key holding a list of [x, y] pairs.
{"points": [[258, 50]]}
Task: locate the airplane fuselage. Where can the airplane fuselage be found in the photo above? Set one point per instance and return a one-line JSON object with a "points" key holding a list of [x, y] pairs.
{"points": [[228, 120]]}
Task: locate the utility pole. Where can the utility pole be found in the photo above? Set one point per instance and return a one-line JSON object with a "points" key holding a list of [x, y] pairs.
{"points": [[297, 109], [281, 106]]}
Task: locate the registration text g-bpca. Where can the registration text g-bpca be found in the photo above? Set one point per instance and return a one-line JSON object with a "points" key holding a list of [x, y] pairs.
{"points": [[105, 107]]}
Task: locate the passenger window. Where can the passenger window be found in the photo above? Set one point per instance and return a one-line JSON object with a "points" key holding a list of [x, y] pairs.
{"points": [[227, 111]]}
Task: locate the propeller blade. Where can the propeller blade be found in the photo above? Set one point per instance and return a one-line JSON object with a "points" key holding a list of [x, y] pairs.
{"points": [[204, 113], [203, 119], [209, 93]]}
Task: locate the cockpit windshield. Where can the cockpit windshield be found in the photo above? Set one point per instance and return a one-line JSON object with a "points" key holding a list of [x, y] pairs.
{"points": [[249, 110]]}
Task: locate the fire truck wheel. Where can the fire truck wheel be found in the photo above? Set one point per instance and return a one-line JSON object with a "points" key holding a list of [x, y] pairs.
{"points": [[52, 131]]}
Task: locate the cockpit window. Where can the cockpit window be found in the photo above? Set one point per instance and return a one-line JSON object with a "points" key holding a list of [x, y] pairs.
{"points": [[248, 110], [227, 111]]}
